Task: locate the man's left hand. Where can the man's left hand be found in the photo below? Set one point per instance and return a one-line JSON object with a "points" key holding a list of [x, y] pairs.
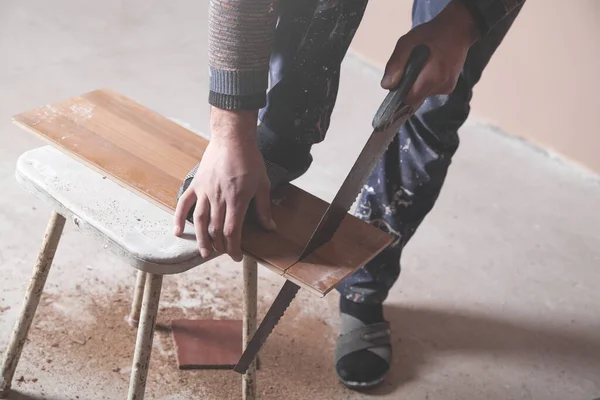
{"points": [[449, 36]]}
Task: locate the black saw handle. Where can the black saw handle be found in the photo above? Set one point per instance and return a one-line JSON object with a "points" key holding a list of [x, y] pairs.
{"points": [[395, 98]]}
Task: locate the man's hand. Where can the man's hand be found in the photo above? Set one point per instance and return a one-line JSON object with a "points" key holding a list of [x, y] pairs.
{"points": [[449, 36], [231, 173]]}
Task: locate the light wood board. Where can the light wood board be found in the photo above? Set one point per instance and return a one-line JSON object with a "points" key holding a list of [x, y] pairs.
{"points": [[151, 155]]}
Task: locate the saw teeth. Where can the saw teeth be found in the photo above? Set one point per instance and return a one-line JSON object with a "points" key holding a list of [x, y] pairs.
{"points": [[292, 295], [274, 314]]}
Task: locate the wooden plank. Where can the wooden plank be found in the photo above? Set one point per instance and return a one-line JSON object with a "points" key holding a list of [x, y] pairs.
{"points": [[94, 150], [207, 344], [150, 155]]}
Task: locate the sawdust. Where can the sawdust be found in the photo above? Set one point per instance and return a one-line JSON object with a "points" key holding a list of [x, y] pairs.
{"points": [[296, 362]]}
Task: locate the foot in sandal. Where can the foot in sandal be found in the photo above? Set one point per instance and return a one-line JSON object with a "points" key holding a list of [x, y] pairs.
{"points": [[363, 350]]}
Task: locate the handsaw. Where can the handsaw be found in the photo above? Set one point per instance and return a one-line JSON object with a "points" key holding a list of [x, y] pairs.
{"points": [[392, 113], [390, 116]]}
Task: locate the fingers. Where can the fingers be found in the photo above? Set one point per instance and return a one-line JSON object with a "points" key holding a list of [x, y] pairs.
{"points": [[423, 87], [232, 229], [433, 80], [201, 219], [394, 70], [218, 226], [262, 203], [395, 65], [437, 77], [215, 226], [185, 203]]}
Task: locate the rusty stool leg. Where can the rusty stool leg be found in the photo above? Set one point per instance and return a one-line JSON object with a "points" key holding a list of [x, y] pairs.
{"points": [[249, 324], [145, 335], [32, 299], [136, 306]]}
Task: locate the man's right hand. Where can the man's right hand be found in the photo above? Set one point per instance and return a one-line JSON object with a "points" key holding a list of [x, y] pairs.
{"points": [[230, 174]]}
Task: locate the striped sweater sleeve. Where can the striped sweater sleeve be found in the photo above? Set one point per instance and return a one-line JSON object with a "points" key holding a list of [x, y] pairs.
{"points": [[240, 40], [488, 13]]}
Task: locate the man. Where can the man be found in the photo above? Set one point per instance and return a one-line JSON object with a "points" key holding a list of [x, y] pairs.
{"points": [[302, 43]]}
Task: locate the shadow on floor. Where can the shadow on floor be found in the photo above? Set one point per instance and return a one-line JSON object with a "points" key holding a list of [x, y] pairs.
{"points": [[16, 395], [423, 333]]}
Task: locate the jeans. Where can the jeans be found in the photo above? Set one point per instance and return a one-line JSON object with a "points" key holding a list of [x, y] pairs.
{"points": [[311, 41]]}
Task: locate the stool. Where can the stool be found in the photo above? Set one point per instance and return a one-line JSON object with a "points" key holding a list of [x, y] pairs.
{"points": [[148, 154], [128, 225]]}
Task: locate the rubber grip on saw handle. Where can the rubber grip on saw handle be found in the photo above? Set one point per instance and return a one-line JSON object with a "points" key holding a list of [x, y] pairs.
{"points": [[395, 98]]}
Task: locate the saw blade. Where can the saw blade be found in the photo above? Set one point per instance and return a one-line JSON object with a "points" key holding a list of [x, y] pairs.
{"points": [[280, 304], [346, 196], [389, 118]]}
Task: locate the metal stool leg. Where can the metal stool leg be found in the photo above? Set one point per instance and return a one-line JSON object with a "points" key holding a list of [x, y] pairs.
{"points": [[145, 335], [31, 301], [249, 324]]}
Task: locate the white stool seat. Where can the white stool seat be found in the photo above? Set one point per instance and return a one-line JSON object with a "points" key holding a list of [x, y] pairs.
{"points": [[127, 223]]}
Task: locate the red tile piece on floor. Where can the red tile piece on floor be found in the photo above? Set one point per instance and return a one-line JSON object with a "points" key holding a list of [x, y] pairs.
{"points": [[207, 344]]}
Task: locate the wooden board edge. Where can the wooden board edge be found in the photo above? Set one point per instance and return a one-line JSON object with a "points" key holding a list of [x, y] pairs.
{"points": [[311, 289], [295, 280], [283, 275], [323, 293]]}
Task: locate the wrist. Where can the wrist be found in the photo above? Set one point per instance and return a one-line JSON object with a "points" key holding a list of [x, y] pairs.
{"points": [[462, 21], [236, 126]]}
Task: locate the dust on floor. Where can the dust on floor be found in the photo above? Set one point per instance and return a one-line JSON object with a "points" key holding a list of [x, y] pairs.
{"points": [[84, 339]]}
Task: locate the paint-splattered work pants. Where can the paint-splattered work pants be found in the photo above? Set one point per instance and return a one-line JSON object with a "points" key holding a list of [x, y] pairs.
{"points": [[311, 41]]}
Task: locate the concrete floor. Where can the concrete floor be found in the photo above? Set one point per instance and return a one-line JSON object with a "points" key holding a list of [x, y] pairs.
{"points": [[498, 298]]}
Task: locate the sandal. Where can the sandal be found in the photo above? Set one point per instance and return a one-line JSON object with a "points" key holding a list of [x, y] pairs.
{"points": [[374, 338]]}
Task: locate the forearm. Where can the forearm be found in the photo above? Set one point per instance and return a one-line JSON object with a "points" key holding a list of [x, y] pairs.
{"points": [[240, 39], [487, 13]]}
